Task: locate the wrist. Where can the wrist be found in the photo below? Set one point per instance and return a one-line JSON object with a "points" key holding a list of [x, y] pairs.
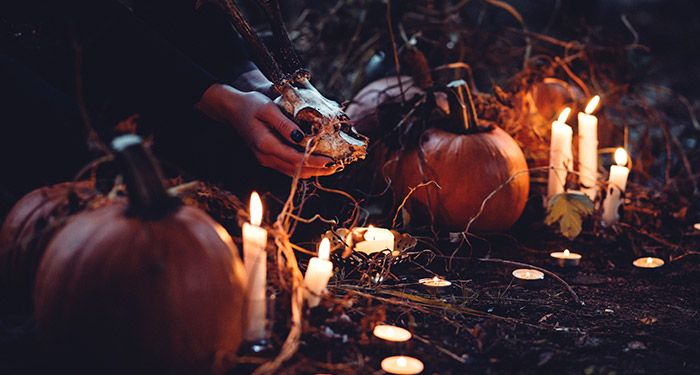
{"points": [[219, 101]]}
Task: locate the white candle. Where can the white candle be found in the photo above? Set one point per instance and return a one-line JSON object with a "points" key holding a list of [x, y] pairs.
{"points": [[616, 186], [402, 365], [391, 333], [375, 240], [528, 274], [255, 260], [648, 262], [560, 154], [318, 273], [566, 258], [588, 148]]}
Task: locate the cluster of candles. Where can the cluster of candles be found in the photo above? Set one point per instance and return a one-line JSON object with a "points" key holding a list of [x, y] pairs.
{"points": [[561, 160], [398, 364], [567, 259]]}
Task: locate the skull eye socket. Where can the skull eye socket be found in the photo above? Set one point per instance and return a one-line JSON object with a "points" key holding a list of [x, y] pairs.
{"points": [[306, 118]]}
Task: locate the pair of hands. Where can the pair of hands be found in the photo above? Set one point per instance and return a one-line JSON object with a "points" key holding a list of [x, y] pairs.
{"points": [[256, 118]]}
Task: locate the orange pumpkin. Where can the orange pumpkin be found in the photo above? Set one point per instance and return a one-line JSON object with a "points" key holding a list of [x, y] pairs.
{"points": [[468, 160], [27, 230], [144, 286]]}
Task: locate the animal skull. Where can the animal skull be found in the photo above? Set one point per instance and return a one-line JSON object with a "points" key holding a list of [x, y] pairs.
{"points": [[323, 120]]}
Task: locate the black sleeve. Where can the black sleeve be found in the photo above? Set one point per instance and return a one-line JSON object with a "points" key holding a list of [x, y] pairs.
{"points": [[121, 49], [206, 35]]}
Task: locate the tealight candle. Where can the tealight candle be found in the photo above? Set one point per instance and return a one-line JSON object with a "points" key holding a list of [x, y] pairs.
{"points": [[402, 365], [528, 274], [616, 186], [318, 273], [648, 262], [560, 154], [376, 240], [588, 148], [566, 258], [391, 333], [434, 282], [255, 261]]}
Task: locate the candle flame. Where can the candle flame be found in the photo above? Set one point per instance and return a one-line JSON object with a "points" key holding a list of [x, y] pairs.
{"points": [[256, 209], [401, 361], [324, 249], [527, 273], [436, 279], [649, 260], [592, 104], [567, 252], [620, 156], [564, 115]]}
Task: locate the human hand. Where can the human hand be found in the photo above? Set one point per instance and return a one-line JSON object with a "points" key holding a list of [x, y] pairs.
{"points": [[259, 122]]}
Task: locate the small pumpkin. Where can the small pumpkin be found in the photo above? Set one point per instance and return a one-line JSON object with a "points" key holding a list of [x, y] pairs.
{"points": [[26, 231], [144, 286], [466, 159]]}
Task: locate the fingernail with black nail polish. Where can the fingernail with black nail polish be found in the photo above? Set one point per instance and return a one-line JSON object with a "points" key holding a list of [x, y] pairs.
{"points": [[297, 136], [328, 165]]}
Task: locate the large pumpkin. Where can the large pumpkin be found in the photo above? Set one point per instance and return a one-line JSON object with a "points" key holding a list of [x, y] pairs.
{"points": [[468, 167], [26, 232], [467, 160], [148, 286]]}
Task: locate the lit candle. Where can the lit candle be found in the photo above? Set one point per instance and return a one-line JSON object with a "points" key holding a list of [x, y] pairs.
{"points": [[255, 260], [696, 226], [318, 273], [566, 258], [391, 333], [616, 186], [375, 240], [588, 148], [434, 282], [528, 274], [560, 154], [402, 365], [648, 262]]}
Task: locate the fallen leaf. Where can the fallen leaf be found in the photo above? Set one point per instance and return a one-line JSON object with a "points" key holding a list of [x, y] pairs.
{"points": [[568, 209]]}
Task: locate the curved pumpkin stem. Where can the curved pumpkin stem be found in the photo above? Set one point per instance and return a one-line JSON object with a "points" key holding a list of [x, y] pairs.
{"points": [[462, 108], [148, 198]]}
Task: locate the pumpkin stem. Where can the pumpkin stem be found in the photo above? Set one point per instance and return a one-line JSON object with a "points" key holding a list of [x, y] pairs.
{"points": [[148, 198], [462, 108]]}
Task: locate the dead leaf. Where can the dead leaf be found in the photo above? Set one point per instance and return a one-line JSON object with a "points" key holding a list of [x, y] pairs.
{"points": [[569, 209]]}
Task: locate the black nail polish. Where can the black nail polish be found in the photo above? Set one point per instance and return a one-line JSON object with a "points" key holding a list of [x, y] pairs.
{"points": [[328, 165], [297, 136]]}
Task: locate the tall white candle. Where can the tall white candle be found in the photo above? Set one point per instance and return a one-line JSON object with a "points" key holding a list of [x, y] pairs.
{"points": [[588, 148], [255, 260], [560, 154], [617, 183], [318, 273], [375, 240]]}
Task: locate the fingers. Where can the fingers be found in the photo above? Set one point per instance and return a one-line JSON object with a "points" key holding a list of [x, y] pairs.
{"points": [[273, 117], [291, 169]]}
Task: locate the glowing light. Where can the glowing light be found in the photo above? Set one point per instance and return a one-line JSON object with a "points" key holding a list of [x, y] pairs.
{"points": [[649, 260], [401, 362], [592, 104], [564, 115], [324, 249], [620, 156], [256, 209], [566, 252]]}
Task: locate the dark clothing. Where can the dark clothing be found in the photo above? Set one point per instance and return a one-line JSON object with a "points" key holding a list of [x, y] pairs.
{"points": [[157, 62]]}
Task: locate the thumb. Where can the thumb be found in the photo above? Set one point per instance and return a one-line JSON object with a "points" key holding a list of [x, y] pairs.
{"points": [[274, 118]]}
